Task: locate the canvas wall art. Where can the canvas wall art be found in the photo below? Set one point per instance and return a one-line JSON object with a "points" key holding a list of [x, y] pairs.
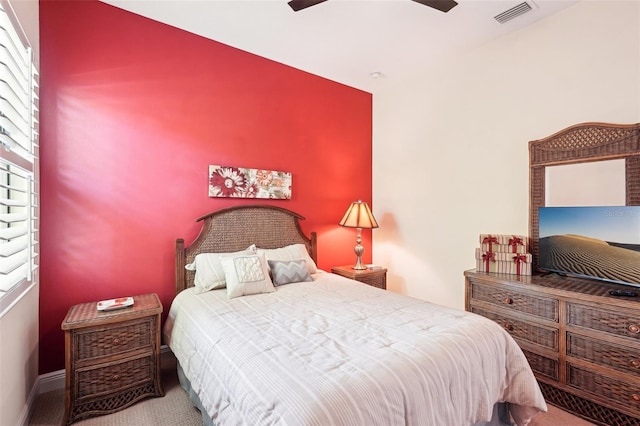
{"points": [[238, 182]]}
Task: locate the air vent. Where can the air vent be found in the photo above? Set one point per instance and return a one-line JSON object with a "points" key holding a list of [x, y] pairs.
{"points": [[514, 12]]}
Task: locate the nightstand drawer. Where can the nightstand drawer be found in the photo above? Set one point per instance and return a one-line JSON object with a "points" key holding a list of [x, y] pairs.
{"points": [[127, 337], [376, 277], [114, 378], [374, 281]]}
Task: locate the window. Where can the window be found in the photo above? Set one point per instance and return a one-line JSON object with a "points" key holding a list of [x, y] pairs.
{"points": [[18, 161]]}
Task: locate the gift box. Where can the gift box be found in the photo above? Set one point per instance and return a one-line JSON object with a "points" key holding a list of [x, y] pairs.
{"points": [[504, 248], [504, 243], [504, 263]]}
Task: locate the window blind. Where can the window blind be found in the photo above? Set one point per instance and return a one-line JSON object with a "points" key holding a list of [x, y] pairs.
{"points": [[18, 160]]}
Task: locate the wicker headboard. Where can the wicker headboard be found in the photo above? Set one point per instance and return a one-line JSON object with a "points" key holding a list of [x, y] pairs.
{"points": [[236, 228]]}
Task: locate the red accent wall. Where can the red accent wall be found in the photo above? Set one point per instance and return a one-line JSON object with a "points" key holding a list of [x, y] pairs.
{"points": [[132, 113]]}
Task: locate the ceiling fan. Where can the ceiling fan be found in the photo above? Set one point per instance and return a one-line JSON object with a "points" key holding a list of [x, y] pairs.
{"points": [[441, 5]]}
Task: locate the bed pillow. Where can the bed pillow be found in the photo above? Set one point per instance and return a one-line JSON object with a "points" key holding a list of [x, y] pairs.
{"points": [[291, 252], [246, 274], [209, 272], [292, 271]]}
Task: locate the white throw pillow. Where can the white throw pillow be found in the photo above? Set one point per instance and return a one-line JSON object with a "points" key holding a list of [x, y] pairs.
{"points": [[246, 274], [209, 272], [291, 252]]}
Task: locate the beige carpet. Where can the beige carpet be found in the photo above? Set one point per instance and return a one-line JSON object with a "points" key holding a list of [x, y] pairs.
{"points": [[174, 409]]}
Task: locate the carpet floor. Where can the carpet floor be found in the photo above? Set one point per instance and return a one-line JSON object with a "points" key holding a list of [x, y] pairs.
{"points": [[174, 409]]}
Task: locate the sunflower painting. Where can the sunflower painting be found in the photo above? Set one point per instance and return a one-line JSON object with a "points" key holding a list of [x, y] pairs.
{"points": [[249, 183]]}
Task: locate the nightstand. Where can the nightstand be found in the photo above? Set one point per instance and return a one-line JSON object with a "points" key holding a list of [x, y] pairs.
{"points": [[374, 277], [112, 358]]}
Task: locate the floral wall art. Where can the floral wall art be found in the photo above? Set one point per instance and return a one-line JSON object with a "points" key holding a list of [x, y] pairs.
{"points": [[240, 182]]}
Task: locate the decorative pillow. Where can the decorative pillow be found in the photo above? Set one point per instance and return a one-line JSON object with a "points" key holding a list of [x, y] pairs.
{"points": [[291, 252], [246, 274], [285, 272], [209, 272]]}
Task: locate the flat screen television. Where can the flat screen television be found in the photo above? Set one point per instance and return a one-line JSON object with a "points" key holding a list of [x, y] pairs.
{"points": [[602, 243]]}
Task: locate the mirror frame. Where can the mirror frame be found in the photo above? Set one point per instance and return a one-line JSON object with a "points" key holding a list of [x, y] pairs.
{"points": [[581, 143]]}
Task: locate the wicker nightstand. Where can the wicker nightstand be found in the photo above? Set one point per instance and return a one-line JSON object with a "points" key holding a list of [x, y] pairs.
{"points": [[112, 357], [373, 277]]}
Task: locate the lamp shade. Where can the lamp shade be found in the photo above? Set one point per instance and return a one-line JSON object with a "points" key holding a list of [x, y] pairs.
{"points": [[359, 216]]}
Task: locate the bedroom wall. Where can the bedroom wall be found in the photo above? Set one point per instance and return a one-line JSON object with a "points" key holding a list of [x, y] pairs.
{"points": [[133, 112], [460, 133]]}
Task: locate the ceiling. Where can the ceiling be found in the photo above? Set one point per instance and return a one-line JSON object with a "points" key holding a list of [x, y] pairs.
{"points": [[346, 40]]}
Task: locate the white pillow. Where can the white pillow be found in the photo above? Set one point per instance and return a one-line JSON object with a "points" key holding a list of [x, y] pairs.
{"points": [[291, 252], [209, 272], [246, 274]]}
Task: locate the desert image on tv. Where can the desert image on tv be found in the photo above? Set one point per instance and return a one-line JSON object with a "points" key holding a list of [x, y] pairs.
{"points": [[605, 243]]}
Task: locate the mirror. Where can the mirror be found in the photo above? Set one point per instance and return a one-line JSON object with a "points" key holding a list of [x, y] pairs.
{"points": [[616, 148]]}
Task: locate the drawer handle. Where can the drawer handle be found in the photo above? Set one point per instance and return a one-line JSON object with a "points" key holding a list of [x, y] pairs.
{"points": [[508, 301], [635, 397], [634, 328], [116, 377], [635, 363], [508, 327], [116, 342]]}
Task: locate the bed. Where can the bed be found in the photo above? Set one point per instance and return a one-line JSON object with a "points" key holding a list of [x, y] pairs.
{"points": [[320, 349]]}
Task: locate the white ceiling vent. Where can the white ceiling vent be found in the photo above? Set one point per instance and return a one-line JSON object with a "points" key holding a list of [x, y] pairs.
{"points": [[515, 11]]}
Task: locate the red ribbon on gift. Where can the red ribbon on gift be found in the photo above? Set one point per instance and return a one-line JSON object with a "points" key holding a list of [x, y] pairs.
{"points": [[519, 258], [487, 257], [489, 239], [515, 242]]}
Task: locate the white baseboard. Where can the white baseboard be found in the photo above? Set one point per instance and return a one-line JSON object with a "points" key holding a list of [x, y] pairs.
{"points": [[50, 381]]}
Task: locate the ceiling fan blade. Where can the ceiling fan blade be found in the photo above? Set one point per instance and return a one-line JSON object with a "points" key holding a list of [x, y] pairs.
{"points": [[441, 5], [297, 5]]}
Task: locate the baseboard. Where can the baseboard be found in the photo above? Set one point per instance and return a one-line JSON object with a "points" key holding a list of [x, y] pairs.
{"points": [[50, 381]]}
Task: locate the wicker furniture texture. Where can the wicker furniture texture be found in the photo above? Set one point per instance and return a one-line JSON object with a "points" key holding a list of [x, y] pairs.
{"points": [[582, 143], [112, 357], [236, 228], [372, 277], [582, 344]]}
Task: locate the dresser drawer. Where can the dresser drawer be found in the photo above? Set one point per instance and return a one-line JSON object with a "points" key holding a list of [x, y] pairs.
{"points": [[523, 330], [515, 300], [617, 323], [115, 377], [542, 365], [116, 339], [619, 357], [625, 395]]}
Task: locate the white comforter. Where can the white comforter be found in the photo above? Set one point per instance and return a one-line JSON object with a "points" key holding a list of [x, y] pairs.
{"points": [[338, 352]]}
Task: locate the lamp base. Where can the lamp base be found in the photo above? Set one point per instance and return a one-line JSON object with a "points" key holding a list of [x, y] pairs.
{"points": [[359, 266]]}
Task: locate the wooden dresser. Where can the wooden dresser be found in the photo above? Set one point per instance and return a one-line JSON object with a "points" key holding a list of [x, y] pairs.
{"points": [[582, 343], [112, 357]]}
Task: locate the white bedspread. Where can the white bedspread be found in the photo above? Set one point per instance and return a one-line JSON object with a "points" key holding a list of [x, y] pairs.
{"points": [[338, 352]]}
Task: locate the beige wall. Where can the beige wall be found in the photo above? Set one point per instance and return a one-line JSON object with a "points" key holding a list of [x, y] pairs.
{"points": [[18, 358], [450, 145], [19, 325]]}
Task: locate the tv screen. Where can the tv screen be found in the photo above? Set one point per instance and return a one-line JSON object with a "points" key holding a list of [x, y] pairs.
{"points": [[593, 242]]}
